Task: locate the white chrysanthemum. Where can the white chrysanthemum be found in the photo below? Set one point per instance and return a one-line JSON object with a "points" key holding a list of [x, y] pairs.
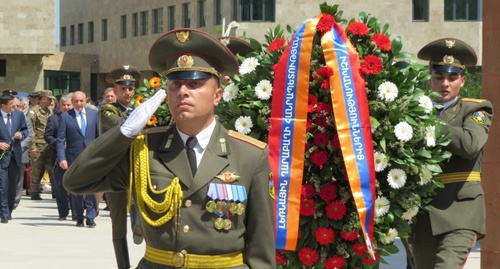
{"points": [[425, 175], [410, 213], [230, 92], [380, 161], [425, 102], [396, 178], [403, 131], [387, 91], [382, 206], [430, 136], [248, 65], [373, 124], [264, 89], [243, 124], [391, 235]]}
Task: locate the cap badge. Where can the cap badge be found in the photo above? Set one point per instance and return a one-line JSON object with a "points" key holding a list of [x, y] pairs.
{"points": [[182, 36], [449, 43], [185, 61], [127, 77], [448, 59], [126, 67], [228, 177]]}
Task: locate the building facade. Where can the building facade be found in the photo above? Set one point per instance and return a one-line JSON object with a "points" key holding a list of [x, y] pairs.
{"points": [[99, 35]]}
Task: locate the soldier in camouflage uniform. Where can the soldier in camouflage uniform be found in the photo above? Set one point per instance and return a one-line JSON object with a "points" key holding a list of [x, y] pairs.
{"points": [[110, 115], [39, 152]]}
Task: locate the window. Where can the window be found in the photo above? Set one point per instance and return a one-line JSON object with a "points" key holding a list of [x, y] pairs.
{"points": [[91, 32], [218, 12], [3, 68], [254, 10], [463, 10], [186, 21], [157, 20], [135, 24], [201, 13], [80, 33], [123, 26], [144, 22], [61, 82], [63, 37], [420, 10], [171, 18], [104, 29], [72, 35]]}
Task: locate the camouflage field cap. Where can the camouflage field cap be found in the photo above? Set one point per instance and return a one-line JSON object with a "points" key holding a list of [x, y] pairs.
{"points": [[236, 45], [449, 55], [191, 54], [124, 75]]}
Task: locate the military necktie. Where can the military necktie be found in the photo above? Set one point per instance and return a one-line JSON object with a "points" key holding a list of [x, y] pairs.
{"points": [[190, 143], [9, 124], [83, 124]]}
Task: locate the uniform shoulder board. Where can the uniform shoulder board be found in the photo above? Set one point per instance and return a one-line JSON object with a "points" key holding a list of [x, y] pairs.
{"points": [[108, 107], [473, 100], [247, 139]]}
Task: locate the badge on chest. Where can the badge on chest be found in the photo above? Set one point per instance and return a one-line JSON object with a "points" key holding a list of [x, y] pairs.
{"points": [[225, 201]]}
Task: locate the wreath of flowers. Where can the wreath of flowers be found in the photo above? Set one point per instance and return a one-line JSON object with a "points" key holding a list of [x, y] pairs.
{"points": [[162, 116], [406, 132]]}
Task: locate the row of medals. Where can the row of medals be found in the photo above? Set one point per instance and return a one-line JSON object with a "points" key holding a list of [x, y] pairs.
{"points": [[225, 209]]}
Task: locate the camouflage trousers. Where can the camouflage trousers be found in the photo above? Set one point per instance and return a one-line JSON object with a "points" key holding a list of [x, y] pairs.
{"points": [[38, 166]]}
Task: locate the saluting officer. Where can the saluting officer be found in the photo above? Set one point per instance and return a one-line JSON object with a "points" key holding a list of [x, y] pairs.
{"points": [[444, 237], [124, 79], [203, 192]]}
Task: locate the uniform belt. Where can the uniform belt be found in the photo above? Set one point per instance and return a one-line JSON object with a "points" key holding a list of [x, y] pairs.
{"points": [[184, 259], [459, 177]]}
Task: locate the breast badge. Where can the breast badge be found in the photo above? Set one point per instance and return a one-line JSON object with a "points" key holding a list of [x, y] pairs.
{"points": [[479, 117], [228, 177]]}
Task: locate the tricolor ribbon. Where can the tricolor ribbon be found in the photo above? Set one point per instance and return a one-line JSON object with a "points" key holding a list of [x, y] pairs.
{"points": [[287, 135]]}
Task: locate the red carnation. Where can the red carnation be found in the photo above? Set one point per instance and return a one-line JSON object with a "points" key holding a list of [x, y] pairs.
{"points": [[324, 108], [324, 235], [334, 262], [328, 192], [325, 73], [320, 139], [312, 101], [371, 64], [325, 24], [307, 207], [349, 236], [308, 256], [308, 191], [358, 28], [359, 249], [321, 122], [336, 141], [335, 210], [277, 44], [368, 260], [309, 125], [319, 157], [281, 259], [382, 41]]}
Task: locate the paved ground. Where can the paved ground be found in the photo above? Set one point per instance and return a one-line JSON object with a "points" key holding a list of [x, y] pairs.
{"points": [[36, 239]]}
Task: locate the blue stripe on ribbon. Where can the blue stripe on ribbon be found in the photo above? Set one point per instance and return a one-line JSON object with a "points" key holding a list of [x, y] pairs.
{"points": [[354, 118]]}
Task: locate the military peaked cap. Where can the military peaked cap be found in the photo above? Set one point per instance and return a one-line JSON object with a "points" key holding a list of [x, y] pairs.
{"points": [[448, 55], [124, 75], [237, 45]]}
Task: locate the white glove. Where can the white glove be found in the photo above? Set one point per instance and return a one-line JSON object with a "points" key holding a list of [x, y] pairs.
{"points": [[141, 115]]}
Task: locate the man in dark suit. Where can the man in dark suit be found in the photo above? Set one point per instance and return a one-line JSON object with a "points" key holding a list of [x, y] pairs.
{"points": [[13, 129], [50, 136], [77, 128], [203, 192], [124, 79], [443, 237]]}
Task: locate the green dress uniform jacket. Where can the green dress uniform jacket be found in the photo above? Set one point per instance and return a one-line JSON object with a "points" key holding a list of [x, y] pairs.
{"points": [[251, 233], [460, 204], [111, 115]]}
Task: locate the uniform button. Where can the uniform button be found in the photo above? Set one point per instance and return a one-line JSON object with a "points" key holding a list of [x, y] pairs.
{"points": [[185, 229], [154, 187], [188, 203]]}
